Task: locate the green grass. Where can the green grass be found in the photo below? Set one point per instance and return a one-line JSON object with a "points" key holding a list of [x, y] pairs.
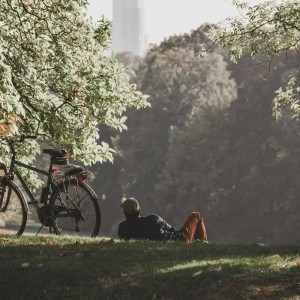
{"points": [[68, 268]]}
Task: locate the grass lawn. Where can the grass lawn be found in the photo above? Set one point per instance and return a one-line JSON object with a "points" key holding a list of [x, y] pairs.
{"points": [[68, 268]]}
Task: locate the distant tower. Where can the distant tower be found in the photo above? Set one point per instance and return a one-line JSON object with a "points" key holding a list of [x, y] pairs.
{"points": [[129, 28]]}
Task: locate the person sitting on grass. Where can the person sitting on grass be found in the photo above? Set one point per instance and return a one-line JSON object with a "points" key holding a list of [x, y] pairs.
{"points": [[154, 228]]}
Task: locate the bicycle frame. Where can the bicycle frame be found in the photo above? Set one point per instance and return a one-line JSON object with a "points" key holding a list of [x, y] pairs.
{"points": [[14, 170], [22, 180]]}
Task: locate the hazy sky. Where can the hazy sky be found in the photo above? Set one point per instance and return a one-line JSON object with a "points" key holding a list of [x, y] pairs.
{"points": [[166, 17]]}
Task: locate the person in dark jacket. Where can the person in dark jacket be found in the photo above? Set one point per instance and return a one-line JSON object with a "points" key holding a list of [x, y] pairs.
{"points": [[154, 228]]}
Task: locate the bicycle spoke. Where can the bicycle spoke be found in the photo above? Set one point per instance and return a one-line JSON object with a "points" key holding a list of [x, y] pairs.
{"points": [[13, 215], [76, 210]]}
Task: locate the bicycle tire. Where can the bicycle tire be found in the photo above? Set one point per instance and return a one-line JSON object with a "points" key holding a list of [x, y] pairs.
{"points": [[13, 210], [74, 209]]}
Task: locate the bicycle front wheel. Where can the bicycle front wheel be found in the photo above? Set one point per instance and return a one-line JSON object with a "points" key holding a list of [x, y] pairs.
{"points": [[13, 210], [75, 210]]}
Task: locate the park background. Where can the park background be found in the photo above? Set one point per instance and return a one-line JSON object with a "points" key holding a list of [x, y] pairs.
{"points": [[209, 142]]}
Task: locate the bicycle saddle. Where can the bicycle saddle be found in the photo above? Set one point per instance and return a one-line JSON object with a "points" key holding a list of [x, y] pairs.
{"points": [[55, 152]]}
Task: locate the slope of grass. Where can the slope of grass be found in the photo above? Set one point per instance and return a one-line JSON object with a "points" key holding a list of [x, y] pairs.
{"points": [[69, 268]]}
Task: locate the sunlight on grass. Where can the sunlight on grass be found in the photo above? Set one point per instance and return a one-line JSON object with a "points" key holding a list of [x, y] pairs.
{"points": [[196, 263], [115, 269], [272, 263], [277, 262]]}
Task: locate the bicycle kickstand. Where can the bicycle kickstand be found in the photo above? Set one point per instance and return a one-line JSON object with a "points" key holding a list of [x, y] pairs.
{"points": [[39, 230]]}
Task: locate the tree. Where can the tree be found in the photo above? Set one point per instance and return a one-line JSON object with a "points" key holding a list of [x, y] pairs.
{"points": [[236, 165], [179, 86], [55, 78], [230, 161], [267, 29], [192, 176]]}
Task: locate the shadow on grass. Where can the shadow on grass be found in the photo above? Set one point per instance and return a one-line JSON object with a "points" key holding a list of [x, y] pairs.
{"points": [[143, 270]]}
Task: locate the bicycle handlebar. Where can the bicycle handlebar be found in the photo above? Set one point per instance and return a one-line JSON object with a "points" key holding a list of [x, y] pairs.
{"points": [[11, 140]]}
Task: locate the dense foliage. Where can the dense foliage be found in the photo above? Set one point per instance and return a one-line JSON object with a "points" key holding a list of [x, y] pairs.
{"points": [[265, 30], [180, 87], [55, 78], [209, 143]]}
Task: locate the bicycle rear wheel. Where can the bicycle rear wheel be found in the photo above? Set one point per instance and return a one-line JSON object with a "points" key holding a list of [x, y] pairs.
{"points": [[74, 209], [13, 209]]}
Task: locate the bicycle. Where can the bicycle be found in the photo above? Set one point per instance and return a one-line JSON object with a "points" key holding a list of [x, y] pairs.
{"points": [[67, 203]]}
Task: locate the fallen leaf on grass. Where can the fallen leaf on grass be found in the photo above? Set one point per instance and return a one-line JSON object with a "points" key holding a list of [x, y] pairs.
{"points": [[218, 269], [46, 241], [133, 283], [197, 273], [260, 244], [110, 242], [4, 241], [24, 265]]}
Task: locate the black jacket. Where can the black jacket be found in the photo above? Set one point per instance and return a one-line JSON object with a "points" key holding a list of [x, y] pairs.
{"points": [[151, 227]]}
